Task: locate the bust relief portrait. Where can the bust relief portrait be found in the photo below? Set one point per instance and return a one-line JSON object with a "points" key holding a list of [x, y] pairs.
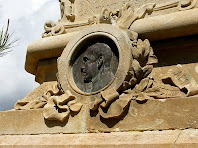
{"points": [[96, 66]]}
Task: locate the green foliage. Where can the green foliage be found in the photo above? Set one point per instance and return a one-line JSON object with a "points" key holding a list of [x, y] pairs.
{"points": [[5, 40]]}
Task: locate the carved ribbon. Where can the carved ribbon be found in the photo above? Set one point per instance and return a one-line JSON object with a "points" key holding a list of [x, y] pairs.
{"points": [[60, 107], [57, 105], [39, 97]]}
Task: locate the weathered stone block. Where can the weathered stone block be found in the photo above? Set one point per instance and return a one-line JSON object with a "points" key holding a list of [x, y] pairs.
{"points": [[162, 114], [32, 122]]}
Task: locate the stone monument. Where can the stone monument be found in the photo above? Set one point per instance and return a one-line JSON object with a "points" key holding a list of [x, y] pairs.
{"points": [[122, 70]]}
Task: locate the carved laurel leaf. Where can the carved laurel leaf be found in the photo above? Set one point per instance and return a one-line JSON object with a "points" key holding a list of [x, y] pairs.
{"points": [[143, 61]]}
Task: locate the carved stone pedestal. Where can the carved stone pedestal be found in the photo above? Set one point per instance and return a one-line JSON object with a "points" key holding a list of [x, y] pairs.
{"points": [[102, 83], [162, 114]]}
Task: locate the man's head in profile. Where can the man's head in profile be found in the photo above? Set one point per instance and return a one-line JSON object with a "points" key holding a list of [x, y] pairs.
{"points": [[96, 62], [95, 65]]}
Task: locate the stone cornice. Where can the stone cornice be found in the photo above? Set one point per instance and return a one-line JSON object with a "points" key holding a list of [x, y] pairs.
{"points": [[183, 23]]}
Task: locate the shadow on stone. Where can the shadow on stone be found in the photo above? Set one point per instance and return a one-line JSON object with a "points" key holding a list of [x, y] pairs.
{"points": [[141, 102], [53, 123], [93, 113], [111, 122]]}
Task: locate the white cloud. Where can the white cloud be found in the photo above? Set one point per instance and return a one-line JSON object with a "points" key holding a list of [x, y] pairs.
{"points": [[27, 18], [14, 9]]}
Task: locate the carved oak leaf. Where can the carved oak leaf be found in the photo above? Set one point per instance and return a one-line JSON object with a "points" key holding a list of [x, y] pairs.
{"points": [[60, 107]]}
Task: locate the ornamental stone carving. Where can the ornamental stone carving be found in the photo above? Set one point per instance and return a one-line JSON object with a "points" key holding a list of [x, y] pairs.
{"points": [[105, 65], [74, 14]]}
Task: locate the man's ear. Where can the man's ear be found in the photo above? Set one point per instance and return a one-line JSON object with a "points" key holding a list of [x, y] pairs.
{"points": [[100, 62]]}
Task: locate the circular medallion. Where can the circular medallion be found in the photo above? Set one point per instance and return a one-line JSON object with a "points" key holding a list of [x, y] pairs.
{"points": [[98, 58]]}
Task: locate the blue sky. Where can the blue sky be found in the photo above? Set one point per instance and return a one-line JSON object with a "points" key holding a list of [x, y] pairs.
{"points": [[27, 18]]}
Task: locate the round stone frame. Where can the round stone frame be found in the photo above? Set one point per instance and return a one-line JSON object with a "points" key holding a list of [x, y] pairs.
{"points": [[120, 39]]}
